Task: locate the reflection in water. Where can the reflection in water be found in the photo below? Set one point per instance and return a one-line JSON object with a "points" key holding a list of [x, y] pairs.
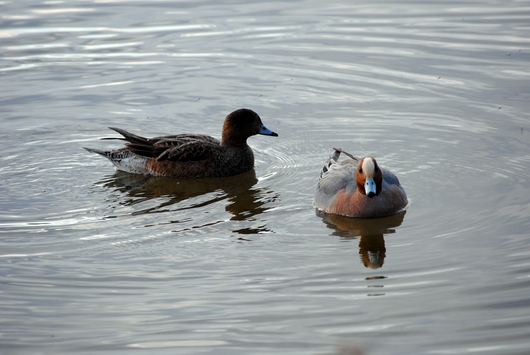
{"points": [[372, 248], [243, 199]]}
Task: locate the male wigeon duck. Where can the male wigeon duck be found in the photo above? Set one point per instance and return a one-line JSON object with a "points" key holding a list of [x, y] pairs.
{"points": [[358, 188], [191, 155]]}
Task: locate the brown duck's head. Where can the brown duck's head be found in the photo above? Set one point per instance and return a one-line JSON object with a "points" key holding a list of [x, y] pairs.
{"points": [[241, 124]]}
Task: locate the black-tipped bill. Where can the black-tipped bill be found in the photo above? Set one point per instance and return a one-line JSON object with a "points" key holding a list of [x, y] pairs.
{"points": [[264, 130], [369, 187]]}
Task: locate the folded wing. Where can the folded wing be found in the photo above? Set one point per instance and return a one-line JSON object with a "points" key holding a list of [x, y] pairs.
{"points": [[179, 147]]}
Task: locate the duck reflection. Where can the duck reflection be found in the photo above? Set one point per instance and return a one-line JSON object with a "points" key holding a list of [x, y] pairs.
{"points": [[372, 248], [244, 199]]}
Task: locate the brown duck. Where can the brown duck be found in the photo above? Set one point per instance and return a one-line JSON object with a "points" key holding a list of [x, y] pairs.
{"points": [[191, 155]]}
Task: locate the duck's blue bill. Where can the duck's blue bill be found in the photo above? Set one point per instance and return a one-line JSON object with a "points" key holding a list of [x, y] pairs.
{"points": [[369, 187], [264, 130]]}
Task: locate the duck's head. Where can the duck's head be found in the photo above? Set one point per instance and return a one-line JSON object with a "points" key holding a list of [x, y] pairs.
{"points": [[369, 177], [241, 124]]}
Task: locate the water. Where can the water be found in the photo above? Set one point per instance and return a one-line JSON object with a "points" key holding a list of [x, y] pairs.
{"points": [[98, 261]]}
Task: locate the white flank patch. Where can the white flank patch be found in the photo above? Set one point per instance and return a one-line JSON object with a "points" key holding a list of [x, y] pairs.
{"points": [[132, 164]]}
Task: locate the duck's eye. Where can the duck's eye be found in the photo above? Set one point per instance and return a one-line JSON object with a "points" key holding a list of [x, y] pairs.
{"points": [[361, 170]]}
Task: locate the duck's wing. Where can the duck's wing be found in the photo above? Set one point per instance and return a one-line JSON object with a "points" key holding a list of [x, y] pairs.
{"points": [[336, 175], [333, 160], [389, 177], [188, 147]]}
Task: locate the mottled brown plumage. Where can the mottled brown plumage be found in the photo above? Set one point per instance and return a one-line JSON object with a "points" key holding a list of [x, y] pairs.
{"points": [[191, 155]]}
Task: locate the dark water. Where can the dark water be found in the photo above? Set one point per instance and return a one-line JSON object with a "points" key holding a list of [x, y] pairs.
{"points": [[98, 261]]}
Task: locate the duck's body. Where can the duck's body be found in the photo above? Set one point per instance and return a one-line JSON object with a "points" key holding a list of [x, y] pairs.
{"points": [[191, 155], [358, 188]]}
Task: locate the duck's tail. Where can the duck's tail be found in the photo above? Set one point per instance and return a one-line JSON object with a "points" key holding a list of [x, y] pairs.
{"points": [[123, 159], [106, 154], [115, 156], [333, 159]]}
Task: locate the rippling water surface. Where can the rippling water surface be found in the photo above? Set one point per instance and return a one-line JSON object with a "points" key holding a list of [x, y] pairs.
{"points": [[98, 261]]}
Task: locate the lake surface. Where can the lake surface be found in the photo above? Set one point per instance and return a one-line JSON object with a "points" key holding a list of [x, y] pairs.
{"points": [[98, 261]]}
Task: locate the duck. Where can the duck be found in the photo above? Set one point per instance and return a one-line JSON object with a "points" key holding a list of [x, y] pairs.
{"points": [[190, 155], [358, 187]]}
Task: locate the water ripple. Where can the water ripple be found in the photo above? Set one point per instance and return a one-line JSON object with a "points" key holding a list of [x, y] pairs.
{"points": [[438, 93]]}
